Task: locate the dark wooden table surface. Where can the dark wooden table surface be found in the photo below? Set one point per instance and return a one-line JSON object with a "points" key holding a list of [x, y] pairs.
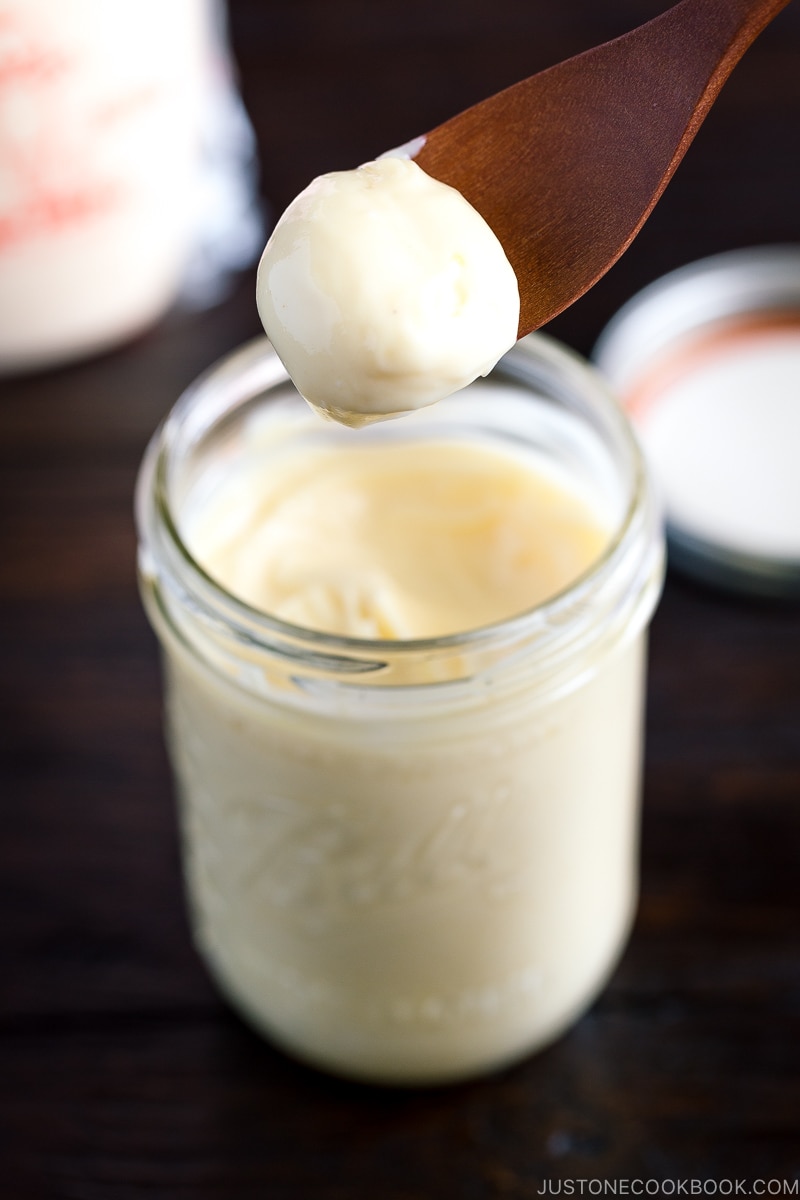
{"points": [[122, 1073]]}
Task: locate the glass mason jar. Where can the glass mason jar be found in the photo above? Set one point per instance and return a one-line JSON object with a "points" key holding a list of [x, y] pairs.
{"points": [[407, 862]]}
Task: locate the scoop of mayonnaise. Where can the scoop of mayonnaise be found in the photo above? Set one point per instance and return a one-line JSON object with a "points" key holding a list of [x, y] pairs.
{"points": [[383, 290]]}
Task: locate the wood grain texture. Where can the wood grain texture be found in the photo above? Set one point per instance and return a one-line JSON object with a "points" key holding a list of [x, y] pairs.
{"points": [[567, 165], [122, 1074]]}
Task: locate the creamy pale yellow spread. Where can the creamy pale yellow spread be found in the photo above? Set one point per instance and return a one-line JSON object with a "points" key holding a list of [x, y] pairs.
{"points": [[396, 540], [384, 290], [417, 896], [395, 890]]}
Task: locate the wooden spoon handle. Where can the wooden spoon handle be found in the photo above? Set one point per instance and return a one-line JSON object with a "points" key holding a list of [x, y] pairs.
{"points": [[567, 165], [705, 40]]}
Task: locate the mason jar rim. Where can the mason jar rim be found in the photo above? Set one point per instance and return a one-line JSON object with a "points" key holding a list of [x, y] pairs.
{"points": [[253, 368]]}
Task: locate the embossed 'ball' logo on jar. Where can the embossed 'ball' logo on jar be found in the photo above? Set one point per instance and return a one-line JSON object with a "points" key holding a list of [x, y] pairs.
{"points": [[320, 867]]}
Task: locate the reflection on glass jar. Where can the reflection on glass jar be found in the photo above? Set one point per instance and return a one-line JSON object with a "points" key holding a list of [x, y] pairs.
{"points": [[407, 861]]}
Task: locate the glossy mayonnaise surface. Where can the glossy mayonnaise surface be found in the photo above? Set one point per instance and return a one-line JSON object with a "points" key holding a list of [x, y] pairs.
{"points": [[383, 290], [395, 540]]}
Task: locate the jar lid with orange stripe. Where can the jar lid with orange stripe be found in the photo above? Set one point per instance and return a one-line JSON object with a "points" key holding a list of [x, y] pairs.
{"points": [[706, 361]]}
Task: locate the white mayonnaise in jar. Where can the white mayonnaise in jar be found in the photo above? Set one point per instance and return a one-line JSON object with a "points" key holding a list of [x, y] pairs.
{"points": [[407, 861]]}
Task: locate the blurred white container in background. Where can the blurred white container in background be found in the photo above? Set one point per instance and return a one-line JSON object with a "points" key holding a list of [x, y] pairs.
{"points": [[125, 157]]}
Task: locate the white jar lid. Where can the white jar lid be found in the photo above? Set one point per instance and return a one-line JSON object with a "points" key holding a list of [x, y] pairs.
{"points": [[707, 362]]}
